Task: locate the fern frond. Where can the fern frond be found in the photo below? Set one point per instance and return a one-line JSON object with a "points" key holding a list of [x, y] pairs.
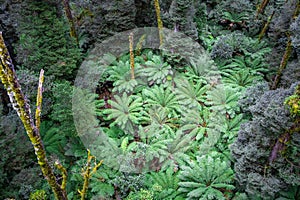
{"points": [[209, 176], [190, 95], [195, 122], [157, 70], [126, 111], [240, 79], [223, 100], [162, 97]]}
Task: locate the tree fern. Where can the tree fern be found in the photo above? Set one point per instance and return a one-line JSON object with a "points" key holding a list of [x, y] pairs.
{"points": [[190, 95], [206, 178], [126, 111], [163, 98], [240, 79], [157, 71], [120, 74], [223, 100], [195, 122], [167, 181]]}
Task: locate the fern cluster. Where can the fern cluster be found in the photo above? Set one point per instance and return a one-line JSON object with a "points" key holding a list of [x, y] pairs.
{"points": [[168, 123], [206, 178]]}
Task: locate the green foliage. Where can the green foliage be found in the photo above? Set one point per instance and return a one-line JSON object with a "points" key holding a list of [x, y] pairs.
{"points": [[54, 140], [176, 151], [48, 45], [101, 185], [223, 99], [195, 122], [164, 184], [157, 71], [171, 119], [38, 195], [125, 111], [62, 114], [240, 79], [160, 122], [121, 75], [206, 178], [235, 17], [142, 194], [199, 70], [191, 95], [163, 98]]}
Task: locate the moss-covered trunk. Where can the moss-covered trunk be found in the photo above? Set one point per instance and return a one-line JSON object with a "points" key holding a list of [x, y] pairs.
{"points": [[20, 104]]}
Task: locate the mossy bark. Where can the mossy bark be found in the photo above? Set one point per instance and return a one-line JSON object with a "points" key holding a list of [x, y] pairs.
{"points": [[261, 7], [131, 55], [264, 30], [159, 21], [287, 53], [20, 104], [87, 173], [70, 19]]}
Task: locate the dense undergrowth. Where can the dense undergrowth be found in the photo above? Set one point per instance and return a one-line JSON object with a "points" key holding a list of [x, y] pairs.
{"points": [[218, 127]]}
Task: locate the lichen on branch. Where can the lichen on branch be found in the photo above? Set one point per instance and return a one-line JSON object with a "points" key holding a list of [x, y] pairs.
{"points": [[21, 105]]}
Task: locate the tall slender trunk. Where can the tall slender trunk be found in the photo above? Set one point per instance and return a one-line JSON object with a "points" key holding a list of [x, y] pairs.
{"points": [[159, 21], [20, 104], [70, 19]]}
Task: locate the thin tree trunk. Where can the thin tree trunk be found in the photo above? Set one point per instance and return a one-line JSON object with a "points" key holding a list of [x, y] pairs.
{"points": [[131, 55], [261, 7], [70, 19], [20, 104], [159, 21]]}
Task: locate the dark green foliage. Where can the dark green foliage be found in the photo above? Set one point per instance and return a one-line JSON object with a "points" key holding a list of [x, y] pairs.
{"points": [[61, 112], [54, 139], [45, 42], [173, 132], [235, 15], [19, 173], [97, 20], [164, 184], [181, 15], [207, 178]]}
